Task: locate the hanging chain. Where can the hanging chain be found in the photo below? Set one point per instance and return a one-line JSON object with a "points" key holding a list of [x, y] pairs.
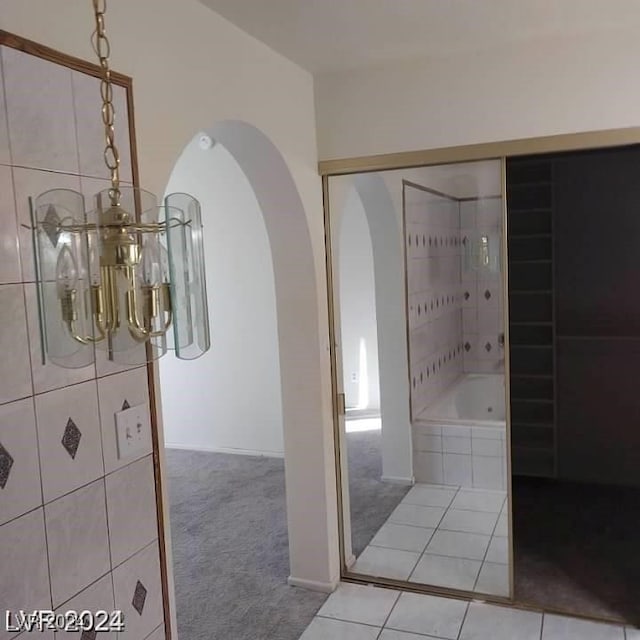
{"points": [[103, 50]]}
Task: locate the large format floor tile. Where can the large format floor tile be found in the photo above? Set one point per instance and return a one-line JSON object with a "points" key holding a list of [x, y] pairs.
{"points": [[488, 622], [417, 516], [459, 544], [493, 579], [358, 603], [479, 500], [469, 521], [429, 615], [453, 573], [430, 496], [562, 628], [327, 629], [389, 563], [403, 537]]}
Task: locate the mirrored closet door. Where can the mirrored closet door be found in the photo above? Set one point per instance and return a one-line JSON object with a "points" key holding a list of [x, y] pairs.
{"points": [[418, 298]]}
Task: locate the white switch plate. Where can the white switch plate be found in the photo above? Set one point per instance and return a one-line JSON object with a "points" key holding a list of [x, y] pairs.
{"points": [[131, 427]]}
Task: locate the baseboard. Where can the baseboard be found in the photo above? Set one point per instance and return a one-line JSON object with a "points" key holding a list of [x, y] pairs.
{"points": [[407, 482], [239, 452], [313, 585]]}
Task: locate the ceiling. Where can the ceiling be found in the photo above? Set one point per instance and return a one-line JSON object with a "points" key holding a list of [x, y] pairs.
{"points": [[331, 35]]}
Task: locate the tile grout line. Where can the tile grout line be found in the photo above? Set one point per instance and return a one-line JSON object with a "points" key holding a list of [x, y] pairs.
{"points": [[495, 526], [384, 624]]}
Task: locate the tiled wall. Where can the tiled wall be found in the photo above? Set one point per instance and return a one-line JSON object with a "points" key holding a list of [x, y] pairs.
{"points": [[482, 317], [433, 249], [78, 526]]}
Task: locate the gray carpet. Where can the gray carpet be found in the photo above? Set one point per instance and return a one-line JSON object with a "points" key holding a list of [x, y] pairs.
{"points": [[230, 545]]}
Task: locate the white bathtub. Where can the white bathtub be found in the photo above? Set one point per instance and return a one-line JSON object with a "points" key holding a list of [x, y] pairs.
{"points": [[461, 438], [477, 399]]}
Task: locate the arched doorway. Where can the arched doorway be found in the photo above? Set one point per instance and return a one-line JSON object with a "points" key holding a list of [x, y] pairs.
{"points": [[286, 308]]}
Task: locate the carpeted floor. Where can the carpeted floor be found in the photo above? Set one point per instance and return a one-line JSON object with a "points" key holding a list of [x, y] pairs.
{"points": [[230, 546], [577, 548]]}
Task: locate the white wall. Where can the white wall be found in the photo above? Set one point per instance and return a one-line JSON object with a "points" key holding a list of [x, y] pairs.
{"points": [[192, 69], [230, 399], [358, 307], [539, 88]]}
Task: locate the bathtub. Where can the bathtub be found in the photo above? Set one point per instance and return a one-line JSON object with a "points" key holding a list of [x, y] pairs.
{"points": [[475, 399], [461, 438]]}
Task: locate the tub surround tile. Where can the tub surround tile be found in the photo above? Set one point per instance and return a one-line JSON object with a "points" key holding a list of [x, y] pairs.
{"points": [[138, 593], [358, 603], [428, 468], [457, 468], [487, 472], [15, 376], [10, 271], [78, 540], [97, 597], [5, 151], [131, 490], [90, 131], [49, 119], [70, 441], [20, 489], [48, 376], [23, 558], [157, 634], [456, 445], [30, 183]]}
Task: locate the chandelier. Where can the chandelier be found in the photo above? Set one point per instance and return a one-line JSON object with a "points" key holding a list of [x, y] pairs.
{"points": [[122, 272]]}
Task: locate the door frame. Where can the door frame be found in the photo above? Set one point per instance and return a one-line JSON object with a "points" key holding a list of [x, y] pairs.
{"points": [[501, 150]]}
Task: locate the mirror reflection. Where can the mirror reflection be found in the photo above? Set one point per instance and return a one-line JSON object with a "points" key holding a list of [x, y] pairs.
{"points": [[419, 312]]}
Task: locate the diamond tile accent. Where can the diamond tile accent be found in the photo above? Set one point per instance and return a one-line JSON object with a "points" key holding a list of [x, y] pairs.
{"points": [[89, 635], [125, 405], [139, 597], [51, 225], [487, 294], [71, 438], [487, 347], [6, 462], [467, 347], [467, 295]]}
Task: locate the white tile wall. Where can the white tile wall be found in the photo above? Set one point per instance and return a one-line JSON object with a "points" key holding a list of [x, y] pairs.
{"points": [[73, 560]]}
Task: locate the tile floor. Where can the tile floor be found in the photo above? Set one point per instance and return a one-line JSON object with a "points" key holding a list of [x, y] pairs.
{"points": [[357, 612], [446, 536]]}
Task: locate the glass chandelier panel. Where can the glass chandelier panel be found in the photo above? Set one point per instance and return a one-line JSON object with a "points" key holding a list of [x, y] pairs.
{"points": [[121, 273]]}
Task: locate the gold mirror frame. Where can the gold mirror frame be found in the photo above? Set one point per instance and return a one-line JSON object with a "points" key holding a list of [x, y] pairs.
{"points": [[423, 158]]}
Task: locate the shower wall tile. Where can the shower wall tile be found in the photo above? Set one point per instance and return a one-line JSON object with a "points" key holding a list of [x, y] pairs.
{"points": [[30, 183], [48, 376], [23, 558], [138, 593], [59, 412], [76, 564], [131, 490], [78, 540], [40, 112], [20, 489], [90, 132], [15, 374], [9, 248], [97, 597]]}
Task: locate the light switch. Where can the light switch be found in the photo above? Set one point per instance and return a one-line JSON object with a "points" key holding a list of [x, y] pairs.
{"points": [[131, 430]]}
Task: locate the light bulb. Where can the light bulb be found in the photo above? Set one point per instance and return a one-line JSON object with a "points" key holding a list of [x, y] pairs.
{"points": [[66, 271], [94, 260], [150, 269]]}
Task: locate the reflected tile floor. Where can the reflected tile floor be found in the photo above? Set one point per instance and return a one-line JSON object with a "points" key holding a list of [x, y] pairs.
{"points": [[446, 536], [358, 612]]}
